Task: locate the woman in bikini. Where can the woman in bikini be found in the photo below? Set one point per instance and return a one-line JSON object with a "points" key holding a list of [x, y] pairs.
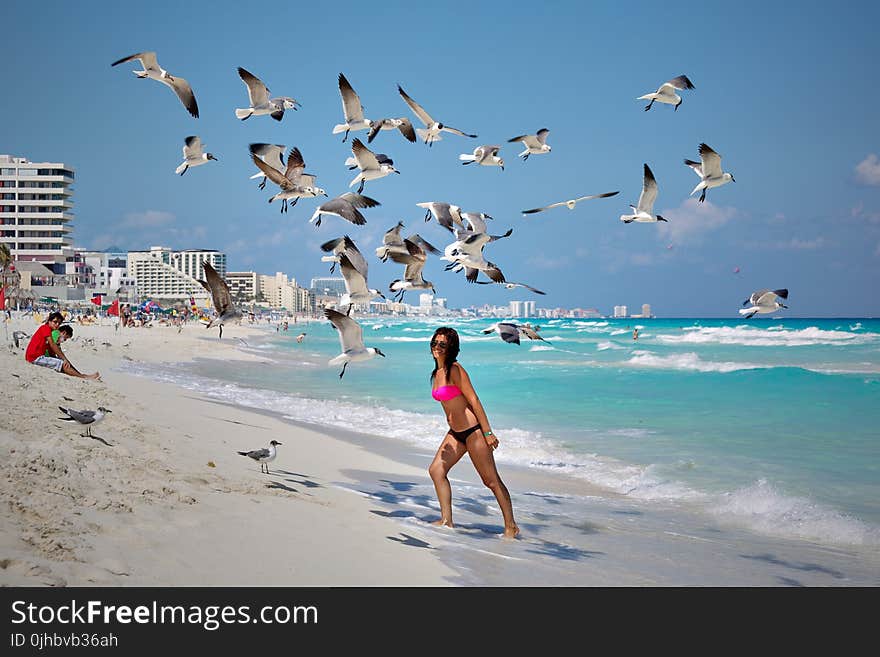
{"points": [[469, 430]]}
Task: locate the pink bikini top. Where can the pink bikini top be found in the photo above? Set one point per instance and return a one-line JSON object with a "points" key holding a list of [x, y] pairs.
{"points": [[445, 393]]}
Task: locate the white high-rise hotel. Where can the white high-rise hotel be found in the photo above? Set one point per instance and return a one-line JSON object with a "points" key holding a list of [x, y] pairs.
{"points": [[35, 209]]}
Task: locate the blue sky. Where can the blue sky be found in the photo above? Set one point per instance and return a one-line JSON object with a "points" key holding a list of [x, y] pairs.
{"points": [[789, 99]]}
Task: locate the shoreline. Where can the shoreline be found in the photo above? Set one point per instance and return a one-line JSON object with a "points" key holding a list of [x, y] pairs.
{"points": [[356, 508]]}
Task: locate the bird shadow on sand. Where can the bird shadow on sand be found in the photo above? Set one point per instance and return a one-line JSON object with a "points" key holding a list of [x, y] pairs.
{"points": [[98, 438], [279, 486], [806, 567], [411, 541], [563, 551], [291, 474], [400, 486], [308, 483]]}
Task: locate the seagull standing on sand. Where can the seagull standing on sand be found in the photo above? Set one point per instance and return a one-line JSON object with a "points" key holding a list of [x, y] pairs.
{"points": [[570, 203], [345, 206], [535, 144], [484, 155], [351, 109], [763, 302], [18, 336], [709, 171], [225, 311], [193, 155], [88, 418], [666, 92], [293, 182], [645, 210], [260, 101], [153, 71], [432, 130], [370, 167], [264, 456], [353, 267], [403, 124], [351, 339]]}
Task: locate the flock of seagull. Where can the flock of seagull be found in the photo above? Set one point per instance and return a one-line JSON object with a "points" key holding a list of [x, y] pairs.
{"points": [[285, 168]]}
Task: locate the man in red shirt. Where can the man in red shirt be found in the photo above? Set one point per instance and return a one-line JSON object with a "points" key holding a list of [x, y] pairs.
{"points": [[42, 342]]}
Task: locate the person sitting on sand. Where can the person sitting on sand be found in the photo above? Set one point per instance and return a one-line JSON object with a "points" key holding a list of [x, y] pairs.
{"points": [[473, 436], [59, 335], [42, 342]]}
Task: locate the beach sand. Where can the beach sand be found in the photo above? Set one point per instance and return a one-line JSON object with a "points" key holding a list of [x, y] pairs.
{"points": [[170, 502]]}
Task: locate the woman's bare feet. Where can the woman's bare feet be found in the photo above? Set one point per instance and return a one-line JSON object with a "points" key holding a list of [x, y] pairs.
{"points": [[443, 523], [511, 532]]}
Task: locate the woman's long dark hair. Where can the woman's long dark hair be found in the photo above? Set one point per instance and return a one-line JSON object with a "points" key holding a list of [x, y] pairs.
{"points": [[452, 349]]}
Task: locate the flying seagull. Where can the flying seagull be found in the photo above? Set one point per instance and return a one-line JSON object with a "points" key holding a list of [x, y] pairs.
{"points": [[260, 101], [225, 311], [709, 171], [293, 182], [368, 163], [88, 418], [485, 155], [447, 215], [513, 333], [467, 254], [432, 130], [271, 154], [414, 259], [570, 203], [345, 206], [645, 210], [353, 267], [193, 155], [535, 144], [264, 456], [351, 339], [763, 302], [153, 71], [403, 124], [393, 243], [351, 109], [511, 286], [666, 92]]}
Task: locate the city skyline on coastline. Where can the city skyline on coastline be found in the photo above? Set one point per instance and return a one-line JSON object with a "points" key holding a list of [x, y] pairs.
{"points": [[763, 231]]}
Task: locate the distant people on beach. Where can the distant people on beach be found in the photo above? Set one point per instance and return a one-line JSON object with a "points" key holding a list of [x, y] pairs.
{"points": [[300, 337], [635, 334], [42, 343], [473, 435]]}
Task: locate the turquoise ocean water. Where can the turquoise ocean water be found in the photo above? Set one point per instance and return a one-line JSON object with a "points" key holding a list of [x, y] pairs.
{"points": [[773, 424]]}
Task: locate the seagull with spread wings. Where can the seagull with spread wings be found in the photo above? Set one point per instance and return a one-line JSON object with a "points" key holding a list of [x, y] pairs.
{"points": [[709, 171], [353, 267], [345, 206], [193, 155], [261, 104], [666, 92], [763, 302], [351, 109], [153, 71], [293, 182], [393, 243], [431, 132], [401, 123], [535, 144], [224, 310], [414, 259], [368, 163], [645, 210], [512, 332], [570, 203], [351, 339], [512, 286], [486, 156]]}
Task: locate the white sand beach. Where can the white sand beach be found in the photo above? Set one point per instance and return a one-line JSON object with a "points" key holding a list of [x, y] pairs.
{"points": [[164, 499]]}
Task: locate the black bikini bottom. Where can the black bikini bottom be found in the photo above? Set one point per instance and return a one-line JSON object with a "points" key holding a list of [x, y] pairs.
{"points": [[461, 436]]}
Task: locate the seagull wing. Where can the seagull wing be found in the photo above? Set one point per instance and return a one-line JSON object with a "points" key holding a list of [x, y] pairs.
{"points": [[711, 162], [147, 60], [366, 159], [359, 200], [219, 290], [542, 136], [355, 280], [272, 154], [257, 91], [528, 287], [192, 148], [509, 332], [272, 173], [696, 166], [649, 192], [392, 236], [475, 222], [416, 108], [185, 94], [456, 131], [681, 83], [351, 102], [345, 246], [424, 244], [83, 417], [406, 129], [587, 198], [351, 335], [258, 454], [761, 297], [295, 165], [546, 207]]}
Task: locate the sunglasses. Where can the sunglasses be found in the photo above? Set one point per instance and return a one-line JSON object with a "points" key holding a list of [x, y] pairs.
{"points": [[442, 346]]}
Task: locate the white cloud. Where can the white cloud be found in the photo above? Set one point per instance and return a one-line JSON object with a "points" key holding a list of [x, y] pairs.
{"points": [[858, 212], [804, 245], [541, 261], [148, 219], [690, 221], [868, 170]]}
